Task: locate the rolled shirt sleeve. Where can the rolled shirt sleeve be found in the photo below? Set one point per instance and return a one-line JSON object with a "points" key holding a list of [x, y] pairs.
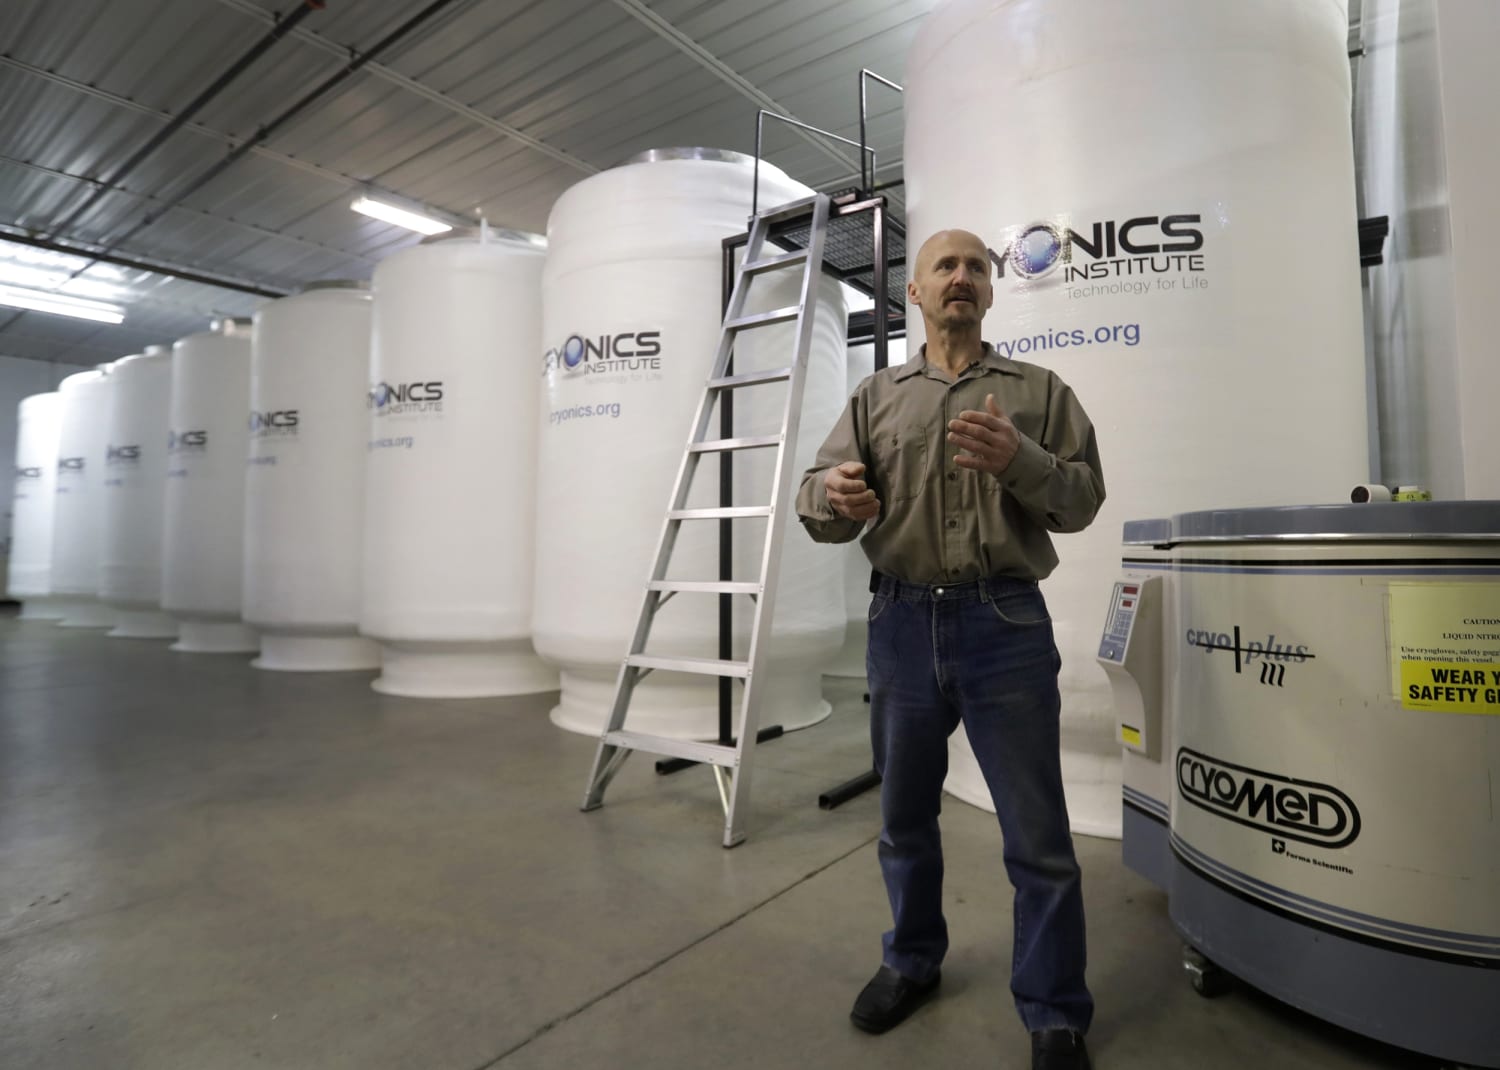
{"points": [[813, 509], [1059, 481]]}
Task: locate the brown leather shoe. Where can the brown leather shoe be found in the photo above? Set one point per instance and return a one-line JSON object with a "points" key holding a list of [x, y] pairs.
{"points": [[889, 999]]}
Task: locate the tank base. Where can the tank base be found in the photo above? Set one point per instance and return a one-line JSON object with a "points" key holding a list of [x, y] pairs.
{"points": [[462, 670], [41, 609], [849, 662], [1438, 1004], [216, 637], [316, 653], [1091, 783], [143, 624], [684, 710], [86, 613]]}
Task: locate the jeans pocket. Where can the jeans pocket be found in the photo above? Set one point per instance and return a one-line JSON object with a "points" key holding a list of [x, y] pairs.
{"points": [[880, 646], [1021, 608]]}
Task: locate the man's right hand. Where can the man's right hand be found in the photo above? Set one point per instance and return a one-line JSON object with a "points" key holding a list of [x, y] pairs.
{"points": [[848, 494]]}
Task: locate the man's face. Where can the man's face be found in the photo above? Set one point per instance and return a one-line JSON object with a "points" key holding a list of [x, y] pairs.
{"points": [[952, 280]]}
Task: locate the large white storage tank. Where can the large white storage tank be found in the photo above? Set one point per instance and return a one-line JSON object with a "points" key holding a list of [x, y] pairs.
{"points": [[29, 571], [850, 660], [450, 513], [305, 480], [135, 475], [1187, 262], [631, 314], [78, 520], [203, 538]]}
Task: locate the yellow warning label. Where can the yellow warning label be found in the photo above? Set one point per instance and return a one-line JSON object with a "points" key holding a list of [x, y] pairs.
{"points": [[1450, 687], [1132, 736], [1445, 646]]}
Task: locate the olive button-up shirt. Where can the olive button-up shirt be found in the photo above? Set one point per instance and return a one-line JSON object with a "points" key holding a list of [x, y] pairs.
{"points": [[940, 522]]}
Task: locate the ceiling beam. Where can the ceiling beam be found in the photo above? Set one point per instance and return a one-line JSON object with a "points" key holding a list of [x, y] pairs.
{"points": [[89, 251], [239, 224], [381, 71], [339, 178], [166, 117]]}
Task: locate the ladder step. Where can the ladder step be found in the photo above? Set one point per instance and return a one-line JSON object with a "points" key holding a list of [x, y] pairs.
{"points": [[733, 512], [705, 586], [724, 445], [771, 263], [764, 319], [790, 209], [701, 666], [770, 375], [708, 753]]}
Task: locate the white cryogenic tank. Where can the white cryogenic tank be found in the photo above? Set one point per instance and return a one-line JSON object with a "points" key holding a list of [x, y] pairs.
{"points": [[305, 479], [204, 530], [78, 519], [1167, 187], [631, 313], [29, 575], [450, 514], [135, 474], [850, 660]]}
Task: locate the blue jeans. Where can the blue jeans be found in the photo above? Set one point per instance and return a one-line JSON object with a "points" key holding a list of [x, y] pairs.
{"points": [[981, 653]]}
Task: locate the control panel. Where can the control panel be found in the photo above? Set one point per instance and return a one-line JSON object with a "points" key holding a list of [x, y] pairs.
{"points": [[1130, 651]]}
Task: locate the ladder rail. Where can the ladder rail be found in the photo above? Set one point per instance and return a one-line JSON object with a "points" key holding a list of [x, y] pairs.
{"points": [[615, 743], [666, 541], [753, 697], [608, 756]]}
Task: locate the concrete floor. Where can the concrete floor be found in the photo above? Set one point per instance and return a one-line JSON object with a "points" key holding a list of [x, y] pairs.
{"points": [[207, 866]]}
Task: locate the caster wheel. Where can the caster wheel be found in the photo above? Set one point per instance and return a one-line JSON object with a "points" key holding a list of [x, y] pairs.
{"points": [[1207, 979], [1211, 983]]}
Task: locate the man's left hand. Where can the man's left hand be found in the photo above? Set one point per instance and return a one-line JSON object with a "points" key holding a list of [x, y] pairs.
{"points": [[989, 439]]}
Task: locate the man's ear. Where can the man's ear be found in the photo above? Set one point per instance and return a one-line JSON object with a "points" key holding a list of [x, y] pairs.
{"points": [[911, 294]]}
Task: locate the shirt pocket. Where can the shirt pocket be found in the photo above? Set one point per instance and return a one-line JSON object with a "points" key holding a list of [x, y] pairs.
{"points": [[903, 457]]}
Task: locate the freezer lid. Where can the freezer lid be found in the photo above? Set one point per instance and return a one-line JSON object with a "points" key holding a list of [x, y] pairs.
{"points": [[1377, 522]]}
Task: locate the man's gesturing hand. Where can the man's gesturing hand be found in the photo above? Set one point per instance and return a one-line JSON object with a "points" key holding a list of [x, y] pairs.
{"points": [[847, 492], [989, 438]]}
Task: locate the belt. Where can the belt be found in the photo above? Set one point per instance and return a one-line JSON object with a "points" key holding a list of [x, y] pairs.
{"points": [[984, 590]]}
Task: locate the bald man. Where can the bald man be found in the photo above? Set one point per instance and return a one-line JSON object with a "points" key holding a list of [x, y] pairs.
{"points": [[956, 466]]}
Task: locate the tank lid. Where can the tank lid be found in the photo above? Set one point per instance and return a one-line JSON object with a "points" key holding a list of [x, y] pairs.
{"points": [[231, 326], [497, 234], [1147, 532], [333, 284], [1372, 522], [691, 153]]}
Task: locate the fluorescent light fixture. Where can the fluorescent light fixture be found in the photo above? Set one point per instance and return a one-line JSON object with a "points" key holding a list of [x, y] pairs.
{"points": [[389, 213], [61, 305]]}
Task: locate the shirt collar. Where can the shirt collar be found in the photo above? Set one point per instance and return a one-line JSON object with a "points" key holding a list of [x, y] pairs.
{"points": [[991, 360]]}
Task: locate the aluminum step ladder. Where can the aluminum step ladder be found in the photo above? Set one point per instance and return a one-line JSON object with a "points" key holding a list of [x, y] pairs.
{"points": [[729, 762]]}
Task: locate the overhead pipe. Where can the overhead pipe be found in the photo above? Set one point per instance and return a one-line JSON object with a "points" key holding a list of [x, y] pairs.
{"points": [[112, 181], [357, 61]]}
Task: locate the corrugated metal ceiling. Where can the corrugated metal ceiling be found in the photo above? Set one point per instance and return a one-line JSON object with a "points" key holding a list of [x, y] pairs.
{"points": [[492, 107]]}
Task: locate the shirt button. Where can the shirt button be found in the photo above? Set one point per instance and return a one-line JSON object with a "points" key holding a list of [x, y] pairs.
{"points": [[953, 523], [952, 475], [953, 572]]}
